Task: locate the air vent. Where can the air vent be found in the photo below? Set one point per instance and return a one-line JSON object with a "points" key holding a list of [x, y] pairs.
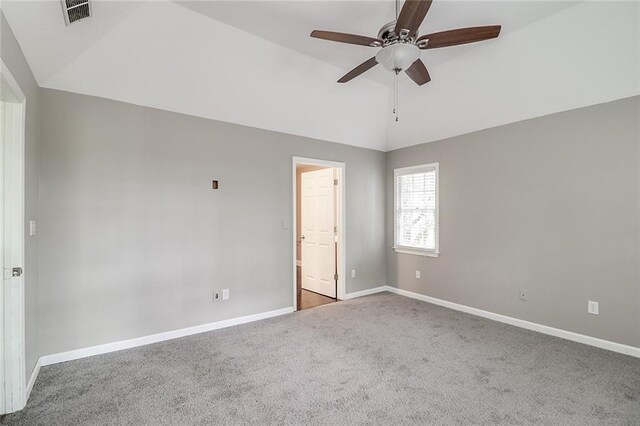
{"points": [[75, 10]]}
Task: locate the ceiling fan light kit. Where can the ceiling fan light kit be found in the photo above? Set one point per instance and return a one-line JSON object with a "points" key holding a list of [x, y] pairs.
{"points": [[398, 56]]}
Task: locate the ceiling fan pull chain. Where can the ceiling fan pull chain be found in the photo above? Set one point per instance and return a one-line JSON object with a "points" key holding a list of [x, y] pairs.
{"points": [[395, 96]]}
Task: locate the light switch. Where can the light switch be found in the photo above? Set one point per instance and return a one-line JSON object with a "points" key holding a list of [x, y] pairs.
{"points": [[32, 228]]}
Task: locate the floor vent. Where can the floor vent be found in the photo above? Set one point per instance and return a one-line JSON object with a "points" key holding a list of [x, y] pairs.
{"points": [[75, 10]]}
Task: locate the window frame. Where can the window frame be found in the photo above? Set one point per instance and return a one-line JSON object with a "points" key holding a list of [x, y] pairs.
{"points": [[422, 168]]}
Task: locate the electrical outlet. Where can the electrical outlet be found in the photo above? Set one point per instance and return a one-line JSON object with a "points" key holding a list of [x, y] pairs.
{"points": [[523, 294], [216, 296], [593, 307], [418, 274], [225, 294], [353, 273]]}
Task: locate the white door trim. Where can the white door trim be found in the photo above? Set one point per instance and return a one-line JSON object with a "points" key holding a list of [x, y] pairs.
{"points": [[341, 222], [13, 321]]}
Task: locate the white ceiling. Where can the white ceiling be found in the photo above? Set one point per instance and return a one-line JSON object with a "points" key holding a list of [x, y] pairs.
{"points": [[253, 63], [584, 55], [289, 23]]}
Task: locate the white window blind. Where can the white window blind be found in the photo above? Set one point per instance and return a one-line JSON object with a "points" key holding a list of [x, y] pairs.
{"points": [[416, 215]]}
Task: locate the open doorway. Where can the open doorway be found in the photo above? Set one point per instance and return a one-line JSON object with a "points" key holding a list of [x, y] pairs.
{"points": [[12, 355], [318, 232]]}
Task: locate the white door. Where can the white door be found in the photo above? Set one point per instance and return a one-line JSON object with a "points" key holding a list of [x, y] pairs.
{"points": [[318, 232], [12, 371]]}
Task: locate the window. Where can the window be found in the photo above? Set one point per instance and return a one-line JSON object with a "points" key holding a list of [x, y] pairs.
{"points": [[416, 210]]}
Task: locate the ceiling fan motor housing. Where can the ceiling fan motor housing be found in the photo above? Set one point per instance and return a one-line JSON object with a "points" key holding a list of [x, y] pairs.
{"points": [[397, 53], [388, 36]]}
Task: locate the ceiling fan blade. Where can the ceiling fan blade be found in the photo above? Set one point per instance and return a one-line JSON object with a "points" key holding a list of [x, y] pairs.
{"points": [[459, 36], [365, 66], [411, 16], [347, 38], [418, 73]]}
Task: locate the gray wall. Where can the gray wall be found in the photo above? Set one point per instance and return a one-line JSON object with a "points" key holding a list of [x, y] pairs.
{"points": [[14, 60], [550, 205], [135, 241]]}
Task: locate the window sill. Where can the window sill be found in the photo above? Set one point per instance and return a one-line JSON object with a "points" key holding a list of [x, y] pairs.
{"points": [[416, 252]]}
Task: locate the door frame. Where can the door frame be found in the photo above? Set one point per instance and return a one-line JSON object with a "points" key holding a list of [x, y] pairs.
{"points": [[341, 222], [13, 300]]}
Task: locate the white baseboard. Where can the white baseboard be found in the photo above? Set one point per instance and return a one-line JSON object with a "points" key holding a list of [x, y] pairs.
{"points": [[32, 380], [564, 334], [160, 337], [366, 292], [154, 338]]}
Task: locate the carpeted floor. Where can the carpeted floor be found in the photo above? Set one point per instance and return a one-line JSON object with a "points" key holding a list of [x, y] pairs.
{"points": [[382, 359]]}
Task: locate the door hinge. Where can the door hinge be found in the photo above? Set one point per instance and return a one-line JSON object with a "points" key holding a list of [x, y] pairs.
{"points": [[335, 277], [335, 182]]}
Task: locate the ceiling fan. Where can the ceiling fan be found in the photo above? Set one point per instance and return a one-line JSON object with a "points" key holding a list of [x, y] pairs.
{"points": [[401, 46]]}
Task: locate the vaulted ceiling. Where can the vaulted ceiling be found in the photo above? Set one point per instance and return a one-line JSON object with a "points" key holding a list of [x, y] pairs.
{"points": [[253, 63]]}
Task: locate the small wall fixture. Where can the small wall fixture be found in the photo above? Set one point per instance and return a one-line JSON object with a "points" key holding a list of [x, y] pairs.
{"points": [[214, 184]]}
